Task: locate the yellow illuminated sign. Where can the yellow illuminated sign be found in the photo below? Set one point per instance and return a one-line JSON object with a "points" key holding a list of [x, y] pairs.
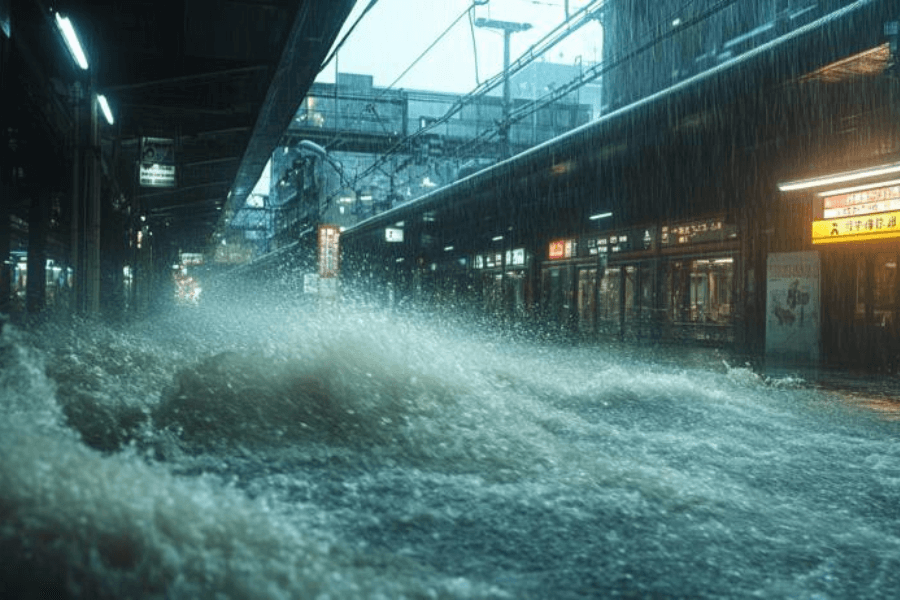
{"points": [[856, 229]]}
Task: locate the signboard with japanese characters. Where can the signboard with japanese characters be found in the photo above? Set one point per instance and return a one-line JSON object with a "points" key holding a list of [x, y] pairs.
{"points": [[393, 234], [855, 229], [560, 249], [861, 202], [857, 215], [157, 164], [697, 232], [608, 244]]}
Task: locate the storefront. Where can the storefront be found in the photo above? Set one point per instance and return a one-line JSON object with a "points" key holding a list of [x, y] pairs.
{"points": [[601, 284], [671, 282], [501, 278], [699, 261], [855, 231]]}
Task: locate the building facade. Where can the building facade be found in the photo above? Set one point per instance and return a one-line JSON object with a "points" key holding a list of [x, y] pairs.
{"points": [[752, 207]]}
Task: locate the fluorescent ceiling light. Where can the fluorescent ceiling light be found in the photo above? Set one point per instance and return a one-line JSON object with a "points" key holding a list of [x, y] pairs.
{"points": [[104, 106], [68, 32], [497, 238], [838, 178], [599, 216], [448, 248], [859, 188]]}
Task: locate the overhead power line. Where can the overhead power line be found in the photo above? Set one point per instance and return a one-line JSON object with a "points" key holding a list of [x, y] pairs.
{"points": [[556, 35], [340, 44]]}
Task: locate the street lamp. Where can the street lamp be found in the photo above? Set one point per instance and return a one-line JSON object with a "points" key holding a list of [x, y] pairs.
{"points": [[104, 106], [72, 42]]}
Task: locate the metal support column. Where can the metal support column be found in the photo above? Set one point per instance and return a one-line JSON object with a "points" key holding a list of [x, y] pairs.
{"points": [[5, 189], [508, 28], [92, 214]]}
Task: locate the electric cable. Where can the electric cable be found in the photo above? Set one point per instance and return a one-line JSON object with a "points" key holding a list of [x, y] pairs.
{"points": [[555, 36], [385, 90], [340, 44], [428, 49], [561, 32]]}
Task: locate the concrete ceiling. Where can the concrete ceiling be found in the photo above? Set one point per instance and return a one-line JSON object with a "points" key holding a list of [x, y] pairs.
{"points": [[221, 78]]}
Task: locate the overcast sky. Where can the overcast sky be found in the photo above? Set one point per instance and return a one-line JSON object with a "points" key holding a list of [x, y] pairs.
{"points": [[395, 32]]}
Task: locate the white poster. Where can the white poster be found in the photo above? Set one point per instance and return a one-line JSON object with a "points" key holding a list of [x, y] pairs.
{"points": [[793, 307]]}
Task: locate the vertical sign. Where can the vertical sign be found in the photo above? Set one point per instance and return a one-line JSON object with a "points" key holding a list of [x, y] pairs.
{"points": [[157, 165], [329, 251], [793, 311]]}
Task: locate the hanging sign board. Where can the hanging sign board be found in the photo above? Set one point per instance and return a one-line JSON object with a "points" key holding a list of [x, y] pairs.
{"points": [[793, 308], [329, 251], [157, 163]]}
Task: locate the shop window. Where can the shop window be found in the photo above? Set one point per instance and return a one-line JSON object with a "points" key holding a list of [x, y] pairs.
{"points": [[587, 285], [701, 291], [678, 276], [646, 290], [609, 294], [630, 276], [514, 293]]}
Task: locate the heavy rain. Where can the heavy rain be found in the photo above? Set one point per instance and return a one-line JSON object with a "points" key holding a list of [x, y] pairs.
{"points": [[494, 299]]}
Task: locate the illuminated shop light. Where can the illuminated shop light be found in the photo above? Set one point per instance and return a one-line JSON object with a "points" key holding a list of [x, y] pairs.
{"points": [[72, 41], [857, 228], [724, 261], [104, 106], [804, 184], [448, 248], [496, 238], [599, 216], [859, 188]]}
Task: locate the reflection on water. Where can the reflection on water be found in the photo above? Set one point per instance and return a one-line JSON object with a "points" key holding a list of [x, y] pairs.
{"points": [[360, 453]]}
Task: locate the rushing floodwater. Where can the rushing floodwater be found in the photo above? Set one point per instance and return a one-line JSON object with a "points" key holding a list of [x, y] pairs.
{"points": [[223, 453]]}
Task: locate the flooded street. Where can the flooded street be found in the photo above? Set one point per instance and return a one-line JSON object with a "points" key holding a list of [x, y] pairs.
{"points": [[365, 454], [335, 301]]}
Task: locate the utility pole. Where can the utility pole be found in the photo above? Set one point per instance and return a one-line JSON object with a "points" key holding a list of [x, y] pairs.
{"points": [[508, 28]]}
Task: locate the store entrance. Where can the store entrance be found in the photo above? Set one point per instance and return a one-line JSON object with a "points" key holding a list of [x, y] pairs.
{"points": [[861, 324]]}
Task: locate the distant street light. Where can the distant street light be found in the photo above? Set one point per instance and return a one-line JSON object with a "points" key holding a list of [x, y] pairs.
{"points": [[104, 106]]}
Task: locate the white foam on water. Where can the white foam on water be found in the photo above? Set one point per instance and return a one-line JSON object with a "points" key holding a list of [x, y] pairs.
{"points": [[83, 524], [409, 455]]}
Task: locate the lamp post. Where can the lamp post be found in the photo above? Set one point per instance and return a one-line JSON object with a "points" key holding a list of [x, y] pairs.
{"points": [[508, 28]]}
